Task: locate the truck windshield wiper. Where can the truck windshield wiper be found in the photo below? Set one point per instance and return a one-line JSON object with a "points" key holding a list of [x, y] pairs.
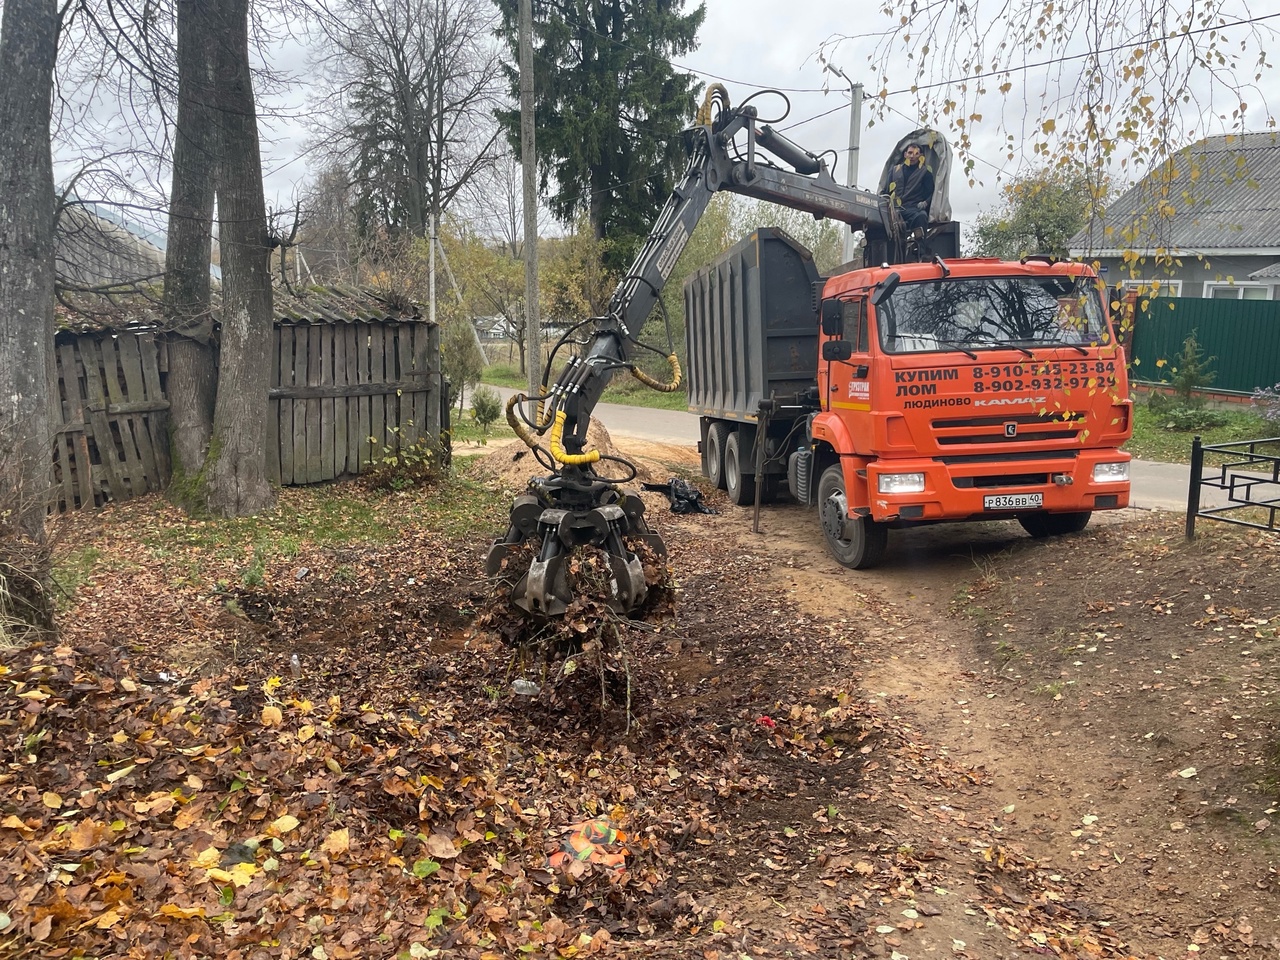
{"points": [[1074, 346], [958, 346]]}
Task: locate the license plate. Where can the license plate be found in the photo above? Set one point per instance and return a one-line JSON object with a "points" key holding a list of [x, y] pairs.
{"points": [[1012, 501]]}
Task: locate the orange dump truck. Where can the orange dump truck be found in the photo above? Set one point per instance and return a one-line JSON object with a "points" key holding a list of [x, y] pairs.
{"points": [[948, 390]]}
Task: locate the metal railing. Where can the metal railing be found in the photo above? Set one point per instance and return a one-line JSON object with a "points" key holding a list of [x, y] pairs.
{"points": [[1249, 477]]}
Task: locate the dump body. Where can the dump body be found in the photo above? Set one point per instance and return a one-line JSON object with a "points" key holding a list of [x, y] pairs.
{"points": [[752, 325]]}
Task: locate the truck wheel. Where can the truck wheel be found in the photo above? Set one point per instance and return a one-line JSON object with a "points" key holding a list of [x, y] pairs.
{"points": [[857, 542], [1041, 525], [717, 435], [740, 486]]}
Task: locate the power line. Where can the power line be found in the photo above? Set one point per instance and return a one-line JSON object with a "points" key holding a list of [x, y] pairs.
{"points": [[1076, 56]]}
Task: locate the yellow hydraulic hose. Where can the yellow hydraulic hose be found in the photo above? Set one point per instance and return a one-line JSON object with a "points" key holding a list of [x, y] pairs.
{"points": [[703, 116], [557, 447], [648, 381], [517, 424]]}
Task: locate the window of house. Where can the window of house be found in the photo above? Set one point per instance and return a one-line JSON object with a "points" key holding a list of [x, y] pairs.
{"points": [[1237, 291]]}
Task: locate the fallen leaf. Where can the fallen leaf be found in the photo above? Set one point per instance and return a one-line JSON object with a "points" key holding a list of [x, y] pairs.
{"points": [[271, 716], [284, 824], [337, 842]]}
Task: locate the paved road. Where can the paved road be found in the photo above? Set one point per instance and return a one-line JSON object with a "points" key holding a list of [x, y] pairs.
{"points": [[1156, 486]]}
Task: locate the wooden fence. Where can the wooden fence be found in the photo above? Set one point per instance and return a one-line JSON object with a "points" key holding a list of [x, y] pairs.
{"points": [[111, 436], [344, 394]]}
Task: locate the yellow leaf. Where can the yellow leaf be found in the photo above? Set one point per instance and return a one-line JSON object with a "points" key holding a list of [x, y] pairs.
{"points": [[337, 842], [271, 716], [13, 823], [1049, 125], [208, 857], [1161, 362], [107, 920], [51, 800], [306, 733], [242, 873], [122, 772], [272, 685], [181, 913], [284, 824]]}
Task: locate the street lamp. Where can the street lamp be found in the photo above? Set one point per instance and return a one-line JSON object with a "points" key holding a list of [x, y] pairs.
{"points": [[855, 132]]}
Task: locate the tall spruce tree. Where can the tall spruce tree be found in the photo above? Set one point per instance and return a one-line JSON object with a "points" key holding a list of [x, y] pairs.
{"points": [[610, 107]]}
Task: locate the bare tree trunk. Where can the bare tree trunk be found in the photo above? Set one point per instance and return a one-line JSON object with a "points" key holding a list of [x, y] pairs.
{"points": [[235, 475], [192, 383], [28, 47]]}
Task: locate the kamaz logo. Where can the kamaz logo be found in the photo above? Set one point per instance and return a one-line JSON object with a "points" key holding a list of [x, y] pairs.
{"points": [[1009, 401], [1011, 429]]}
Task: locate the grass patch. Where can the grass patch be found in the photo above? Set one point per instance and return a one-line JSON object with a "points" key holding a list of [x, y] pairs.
{"points": [[70, 570], [304, 517], [1153, 440]]}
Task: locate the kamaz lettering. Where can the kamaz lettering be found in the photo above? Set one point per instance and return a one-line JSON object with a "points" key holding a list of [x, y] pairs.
{"points": [[1009, 401], [923, 376]]}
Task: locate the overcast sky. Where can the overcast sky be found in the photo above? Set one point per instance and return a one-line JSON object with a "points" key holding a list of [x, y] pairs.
{"points": [[749, 45]]}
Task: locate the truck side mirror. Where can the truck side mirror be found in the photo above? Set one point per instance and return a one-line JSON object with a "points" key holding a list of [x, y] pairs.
{"points": [[837, 350], [832, 318], [885, 287]]}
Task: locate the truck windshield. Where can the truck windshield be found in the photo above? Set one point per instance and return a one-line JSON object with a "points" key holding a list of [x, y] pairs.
{"points": [[985, 313]]}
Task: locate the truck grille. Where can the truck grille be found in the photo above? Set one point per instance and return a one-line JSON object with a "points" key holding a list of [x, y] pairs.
{"points": [[994, 430]]}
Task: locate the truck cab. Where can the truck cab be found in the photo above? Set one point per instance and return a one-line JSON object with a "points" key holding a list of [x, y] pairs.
{"points": [[951, 390], [972, 389]]}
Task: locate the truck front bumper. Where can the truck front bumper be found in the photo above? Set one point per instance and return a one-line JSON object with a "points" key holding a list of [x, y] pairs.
{"points": [[967, 489]]}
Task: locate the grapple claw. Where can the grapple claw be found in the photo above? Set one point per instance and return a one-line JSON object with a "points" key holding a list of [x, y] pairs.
{"points": [[544, 590]]}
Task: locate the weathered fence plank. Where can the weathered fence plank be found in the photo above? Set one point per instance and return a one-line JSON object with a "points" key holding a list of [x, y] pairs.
{"points": [[344, 388]]}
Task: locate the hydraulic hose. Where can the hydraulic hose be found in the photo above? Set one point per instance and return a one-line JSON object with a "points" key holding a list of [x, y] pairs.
{"points": [[674, 362], [556, 446]]}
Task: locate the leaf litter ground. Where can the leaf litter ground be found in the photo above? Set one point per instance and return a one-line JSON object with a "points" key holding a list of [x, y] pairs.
{"points": [[802, 761]]}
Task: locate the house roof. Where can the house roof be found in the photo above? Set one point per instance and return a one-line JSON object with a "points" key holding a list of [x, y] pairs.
{"points": [[1219, 196], [1270, 272], [94, 251]]}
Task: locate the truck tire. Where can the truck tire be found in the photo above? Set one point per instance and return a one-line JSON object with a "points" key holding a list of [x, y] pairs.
{"points": [[1041, 525], [717, 435], [856, 542], [740, 486]]}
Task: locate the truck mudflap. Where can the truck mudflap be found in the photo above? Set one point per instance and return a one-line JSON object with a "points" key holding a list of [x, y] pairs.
{"points": [[909, 490]]}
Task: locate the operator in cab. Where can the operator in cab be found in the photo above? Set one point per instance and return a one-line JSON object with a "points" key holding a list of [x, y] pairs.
{"points": [[911, 188]]}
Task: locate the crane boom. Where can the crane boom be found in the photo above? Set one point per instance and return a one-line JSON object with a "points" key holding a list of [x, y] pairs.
{"points": [[574, 506]]}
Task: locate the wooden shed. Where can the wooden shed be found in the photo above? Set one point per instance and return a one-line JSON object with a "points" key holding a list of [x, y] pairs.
{"points": [[354, 378]]}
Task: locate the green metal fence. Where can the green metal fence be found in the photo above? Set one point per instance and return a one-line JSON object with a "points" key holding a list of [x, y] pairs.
{"points": [[1242, 337]]}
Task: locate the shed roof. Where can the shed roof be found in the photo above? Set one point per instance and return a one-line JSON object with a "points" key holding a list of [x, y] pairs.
{"points": [[317, 304], [1220, 196], [337, 304]]}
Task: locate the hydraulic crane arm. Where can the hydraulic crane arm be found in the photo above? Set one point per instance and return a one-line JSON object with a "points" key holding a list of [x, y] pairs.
{"points": [[575, 507]]}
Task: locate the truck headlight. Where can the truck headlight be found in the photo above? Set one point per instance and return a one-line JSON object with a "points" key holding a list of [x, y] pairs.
{"points": [[1111, 472], [901, 483]]}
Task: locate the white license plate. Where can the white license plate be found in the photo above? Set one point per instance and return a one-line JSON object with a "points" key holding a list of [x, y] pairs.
{"points": [[1012, 501]]}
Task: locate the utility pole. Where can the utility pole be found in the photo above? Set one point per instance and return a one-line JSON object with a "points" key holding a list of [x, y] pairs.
{"points": [[855, 136], [528, 161]]}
